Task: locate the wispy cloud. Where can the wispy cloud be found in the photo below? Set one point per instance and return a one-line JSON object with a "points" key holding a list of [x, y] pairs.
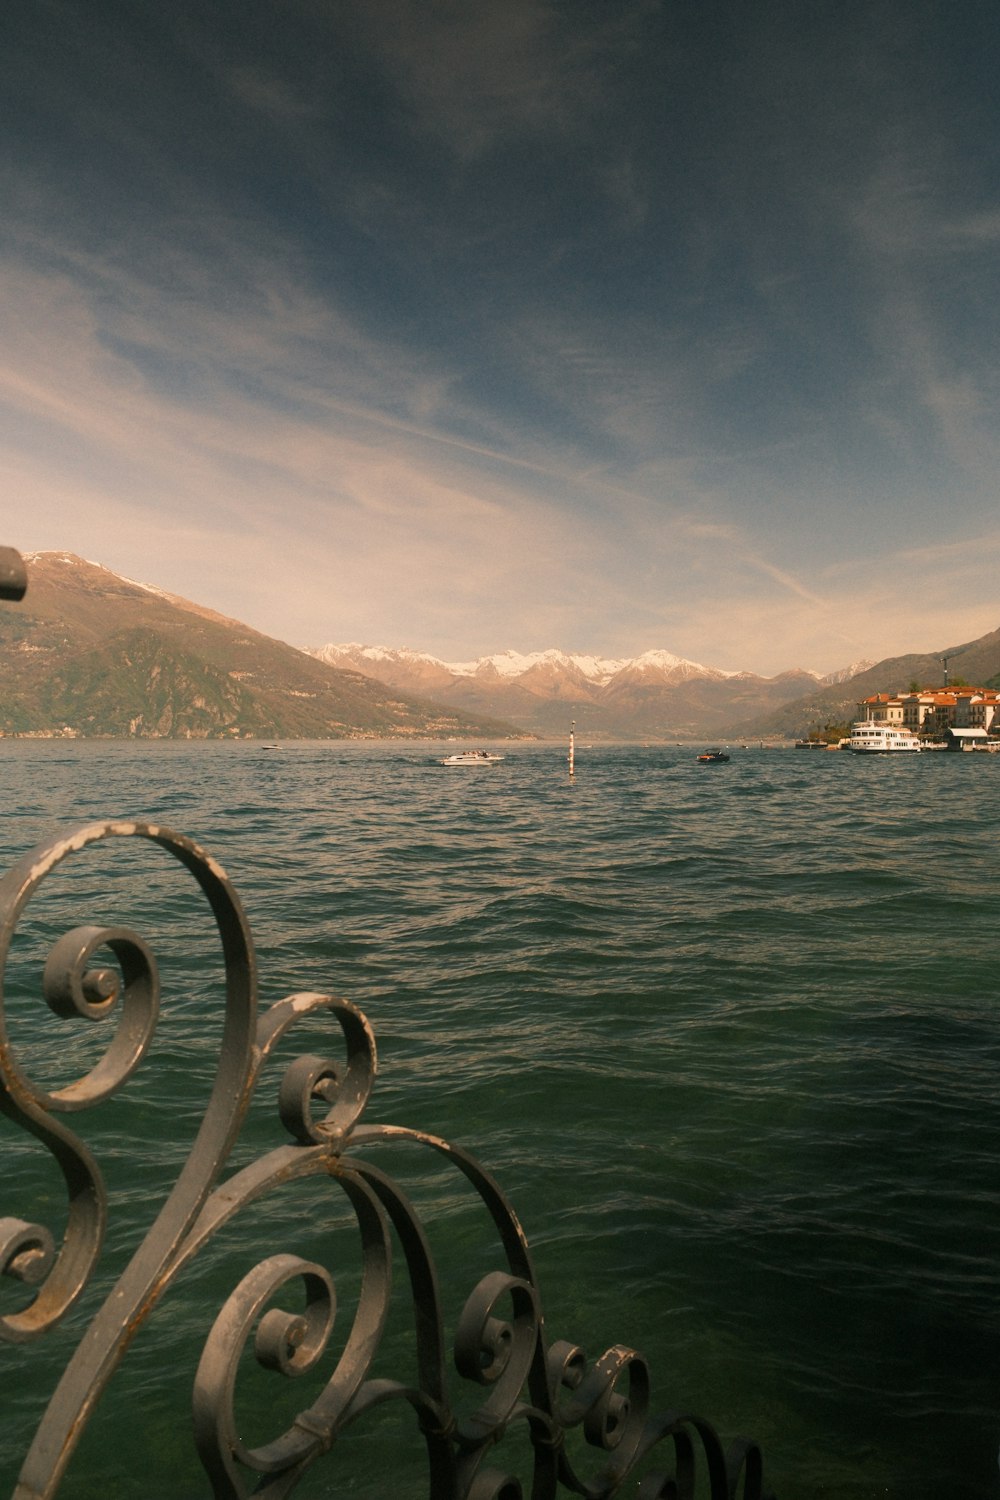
{"points": [[274, 96], [528, 325], [478, 74], [980, 550]]}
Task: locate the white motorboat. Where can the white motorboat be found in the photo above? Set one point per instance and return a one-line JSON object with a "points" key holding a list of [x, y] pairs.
{"points": [[472, 758], [875, 737]]}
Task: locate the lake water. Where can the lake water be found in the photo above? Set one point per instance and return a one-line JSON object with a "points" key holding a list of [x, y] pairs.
{"points": [[727, 1035]]}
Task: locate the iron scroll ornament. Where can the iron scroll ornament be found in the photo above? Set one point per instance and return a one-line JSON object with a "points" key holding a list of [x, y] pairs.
{"points": [[529, 1387]]}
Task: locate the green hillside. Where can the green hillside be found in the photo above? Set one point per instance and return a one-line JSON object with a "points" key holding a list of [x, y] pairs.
{"points": [[93, 654], [976, 662]]}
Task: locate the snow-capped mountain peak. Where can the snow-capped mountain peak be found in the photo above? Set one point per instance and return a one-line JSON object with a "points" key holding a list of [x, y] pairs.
{"points": [[831, 679], [512, 665]]}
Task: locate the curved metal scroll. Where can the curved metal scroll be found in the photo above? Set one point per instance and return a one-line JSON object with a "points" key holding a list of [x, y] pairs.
{"points": [[528, 1388]]}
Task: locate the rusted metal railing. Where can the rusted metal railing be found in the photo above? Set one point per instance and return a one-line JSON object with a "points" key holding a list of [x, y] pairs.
{"points": [[544, 1393]]}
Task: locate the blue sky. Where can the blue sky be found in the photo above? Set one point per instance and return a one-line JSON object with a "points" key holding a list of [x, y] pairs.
{"points": [[481, 324]]}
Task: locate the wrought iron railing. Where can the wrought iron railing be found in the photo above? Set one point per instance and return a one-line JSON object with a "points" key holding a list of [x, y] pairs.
{"points": [[542, 1394]]}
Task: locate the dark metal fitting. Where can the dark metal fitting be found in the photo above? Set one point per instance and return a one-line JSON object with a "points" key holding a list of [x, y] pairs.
{"points": [[13, 574]]}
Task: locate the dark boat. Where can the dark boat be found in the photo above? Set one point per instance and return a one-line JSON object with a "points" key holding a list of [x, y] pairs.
{"points": [[712, 755]]}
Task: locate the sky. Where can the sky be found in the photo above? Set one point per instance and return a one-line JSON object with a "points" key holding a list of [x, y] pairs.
{"points": [[473, 325]]}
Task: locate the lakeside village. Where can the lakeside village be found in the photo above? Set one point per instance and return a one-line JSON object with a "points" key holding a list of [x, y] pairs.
{"points": [[957, 718]]}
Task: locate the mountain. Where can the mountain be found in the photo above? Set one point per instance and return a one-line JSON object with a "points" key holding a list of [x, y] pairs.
{"points": [[653, 696], [90, 653], [976, 662], [846, 673]]}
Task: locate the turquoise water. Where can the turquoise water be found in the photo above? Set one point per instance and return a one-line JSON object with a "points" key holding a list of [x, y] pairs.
{"points": [[727, 1036]]}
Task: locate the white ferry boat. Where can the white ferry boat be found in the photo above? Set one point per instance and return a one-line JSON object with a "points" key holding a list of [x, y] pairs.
{"points": [[874, 737]]}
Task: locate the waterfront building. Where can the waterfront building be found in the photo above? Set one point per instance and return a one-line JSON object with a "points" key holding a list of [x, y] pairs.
{"points": [[934, 711]]}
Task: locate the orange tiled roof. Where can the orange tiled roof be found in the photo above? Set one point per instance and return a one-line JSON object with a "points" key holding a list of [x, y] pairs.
{"points": [[936, 695]]}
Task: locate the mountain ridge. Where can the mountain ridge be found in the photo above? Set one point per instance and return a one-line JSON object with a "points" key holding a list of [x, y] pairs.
{"points": [[511, 664], [656, 695], [976, 662], [88, 652]]}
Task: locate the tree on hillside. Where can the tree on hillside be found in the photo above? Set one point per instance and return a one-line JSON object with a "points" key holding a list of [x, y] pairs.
{"points": [[831, 733]]}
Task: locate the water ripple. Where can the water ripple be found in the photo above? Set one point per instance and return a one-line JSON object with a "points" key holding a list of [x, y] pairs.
{"points": [[729, 1039]]}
